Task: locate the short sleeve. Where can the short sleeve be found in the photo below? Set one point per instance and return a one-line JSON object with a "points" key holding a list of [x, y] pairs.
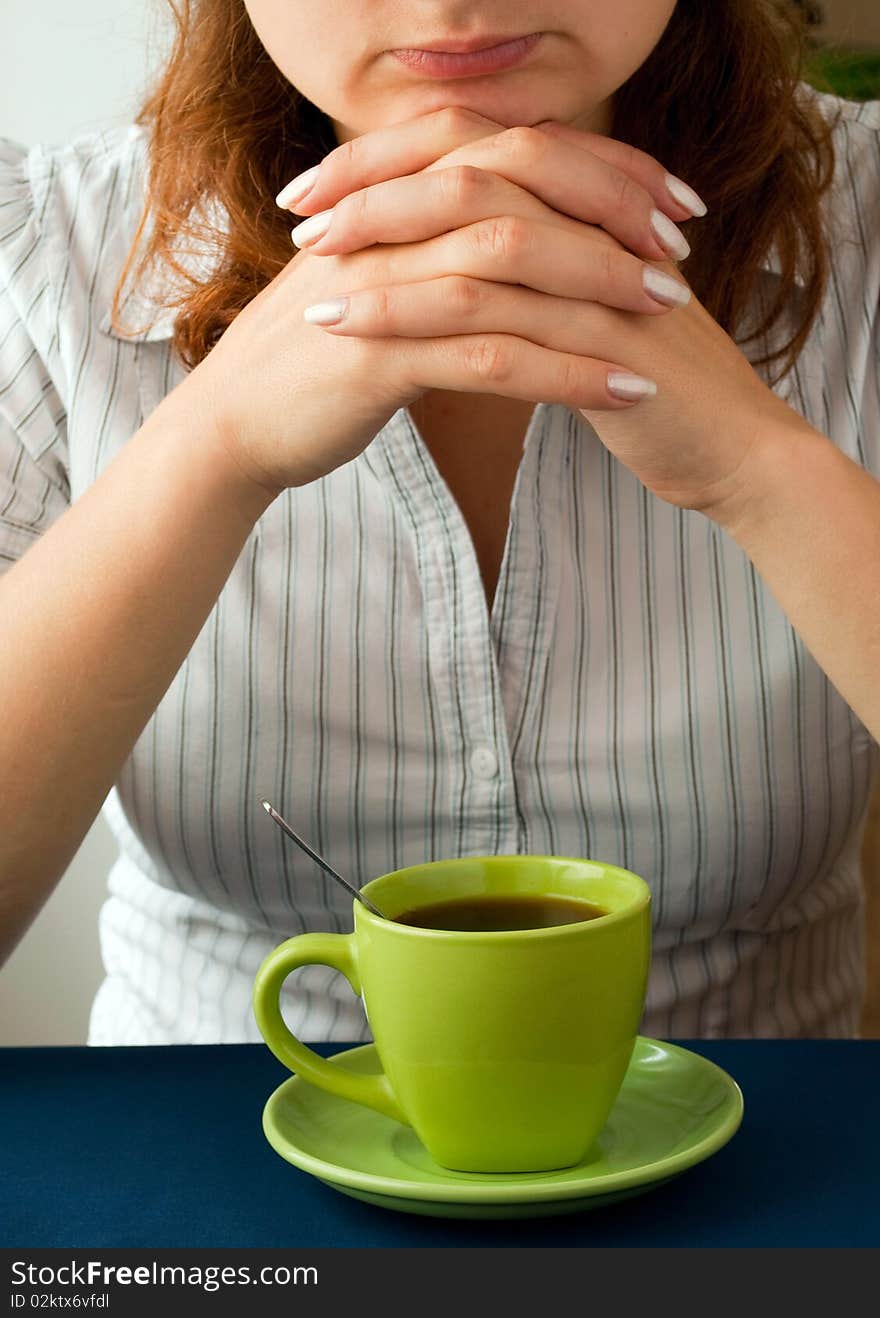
{"points": [[871, 400], [854, 301], [864, 172], [34, 474]]}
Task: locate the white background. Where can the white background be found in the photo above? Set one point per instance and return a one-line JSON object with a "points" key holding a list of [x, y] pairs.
{"points": [[70, 68]]}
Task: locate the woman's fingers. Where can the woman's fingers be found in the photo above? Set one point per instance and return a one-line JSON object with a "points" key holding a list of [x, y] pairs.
{"points": [[516, 368], [384, 153], [458, 304], [578, 183], [623, 190], [419, 206], [511, 250], [672, 194]]}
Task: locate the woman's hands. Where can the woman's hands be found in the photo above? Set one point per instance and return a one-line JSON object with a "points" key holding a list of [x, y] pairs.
{"points": [[461, 274], [700, 443], [286, 403], [549, 300], [494, 238], [607, 183]]}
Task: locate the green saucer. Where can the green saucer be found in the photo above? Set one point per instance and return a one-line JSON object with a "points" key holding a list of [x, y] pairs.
{"points": [[674, 1109]]}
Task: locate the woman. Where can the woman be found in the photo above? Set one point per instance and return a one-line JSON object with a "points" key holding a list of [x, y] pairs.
{"points": [[530, 552]]}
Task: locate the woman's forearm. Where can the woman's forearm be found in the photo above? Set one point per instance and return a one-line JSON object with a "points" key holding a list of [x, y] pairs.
{"points": [[97, 617], [810, 523]]}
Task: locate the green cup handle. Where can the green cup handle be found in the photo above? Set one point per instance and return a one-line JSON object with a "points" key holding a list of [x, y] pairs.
{"points": [[338, 951]]}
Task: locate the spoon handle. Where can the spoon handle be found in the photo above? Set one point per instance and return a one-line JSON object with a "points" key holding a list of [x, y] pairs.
{"points": [[319, 860]]}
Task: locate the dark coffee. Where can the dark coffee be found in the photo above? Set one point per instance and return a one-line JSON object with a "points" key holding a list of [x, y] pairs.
{"points": [[500, 911]]}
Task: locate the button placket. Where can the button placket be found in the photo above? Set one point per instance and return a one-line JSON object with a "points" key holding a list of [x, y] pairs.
{"points": [[523, 627], [461, 648], [484, 762]]}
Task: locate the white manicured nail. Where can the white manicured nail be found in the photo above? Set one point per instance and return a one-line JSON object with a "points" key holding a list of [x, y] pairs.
{"points": [[685, 196], [621, 384], [310, 230], [326, 313], [297, 188], [669, 235], [663, 288]]}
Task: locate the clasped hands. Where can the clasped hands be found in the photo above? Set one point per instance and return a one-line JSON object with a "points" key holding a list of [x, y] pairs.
{"points": [[548, 240]]}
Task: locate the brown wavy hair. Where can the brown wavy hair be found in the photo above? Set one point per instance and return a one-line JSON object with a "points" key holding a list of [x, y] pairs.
{"points": [[717, 102]]}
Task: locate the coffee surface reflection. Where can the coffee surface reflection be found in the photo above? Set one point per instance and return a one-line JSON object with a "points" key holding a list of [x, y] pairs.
{"points": [[497, 912]]}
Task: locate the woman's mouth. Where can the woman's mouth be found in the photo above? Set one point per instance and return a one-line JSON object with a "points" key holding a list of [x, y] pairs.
{"points": [[458, 64]]}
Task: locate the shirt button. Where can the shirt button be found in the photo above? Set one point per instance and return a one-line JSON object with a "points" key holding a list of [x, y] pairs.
{"points": [[484, 763]]}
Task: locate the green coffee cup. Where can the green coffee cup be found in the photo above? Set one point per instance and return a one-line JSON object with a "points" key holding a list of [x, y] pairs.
{"points": [[503, 1050]]}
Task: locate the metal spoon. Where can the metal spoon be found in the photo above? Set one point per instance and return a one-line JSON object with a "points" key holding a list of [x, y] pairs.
{"points": [[320, 860]]}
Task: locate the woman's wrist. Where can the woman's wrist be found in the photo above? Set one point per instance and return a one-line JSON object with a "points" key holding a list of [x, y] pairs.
{"points": [[811, 527], [186, 409], [786, 451]]}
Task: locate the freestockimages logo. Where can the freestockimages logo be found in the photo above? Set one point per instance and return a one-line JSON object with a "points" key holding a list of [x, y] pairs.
{"points": [[96, 1274]]}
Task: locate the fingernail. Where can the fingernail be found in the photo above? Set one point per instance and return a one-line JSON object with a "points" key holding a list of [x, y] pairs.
{"points": [[297, 188], [663, 288], [685, 196], [326, 313], [310, 230], [669, 235], [623, 384]]}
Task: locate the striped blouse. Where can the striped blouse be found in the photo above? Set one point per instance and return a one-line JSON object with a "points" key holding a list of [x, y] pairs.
{"points": [[634, 695]]}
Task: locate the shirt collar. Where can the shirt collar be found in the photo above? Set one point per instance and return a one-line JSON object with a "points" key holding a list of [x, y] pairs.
{"points": [[772, 265], [146, 306]]}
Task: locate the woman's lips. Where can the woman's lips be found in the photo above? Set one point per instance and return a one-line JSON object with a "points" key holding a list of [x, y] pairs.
{"points": [[444, 64]]}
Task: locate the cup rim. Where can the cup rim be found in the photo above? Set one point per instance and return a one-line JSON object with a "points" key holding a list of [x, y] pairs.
{"points": [[639, 902]]}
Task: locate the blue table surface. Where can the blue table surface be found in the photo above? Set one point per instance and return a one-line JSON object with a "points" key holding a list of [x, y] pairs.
{"points": [[163, 1147]]}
